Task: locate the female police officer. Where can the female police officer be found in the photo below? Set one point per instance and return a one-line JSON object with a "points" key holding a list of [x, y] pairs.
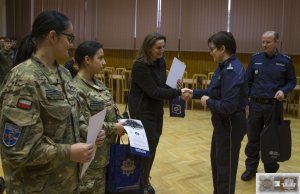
{"points": [[39, 121], [226, 97]]}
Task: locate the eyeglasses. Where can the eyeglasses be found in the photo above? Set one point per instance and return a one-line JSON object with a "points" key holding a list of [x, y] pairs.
{"points": [[212, 48], [70, 37]]}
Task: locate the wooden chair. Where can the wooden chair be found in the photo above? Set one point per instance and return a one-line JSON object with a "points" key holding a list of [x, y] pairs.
{"points": [[298, 80], [126, 83], [209, 75], [119, 70], [292, 100], [107, 79], [110, 68], [199, 82]]}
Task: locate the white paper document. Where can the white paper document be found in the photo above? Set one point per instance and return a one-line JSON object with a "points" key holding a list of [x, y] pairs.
{"points": [[137, 136], [176, 72], [95, 125]]}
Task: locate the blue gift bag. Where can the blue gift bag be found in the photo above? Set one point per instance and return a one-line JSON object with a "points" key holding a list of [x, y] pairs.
{"points": [[177, 107], [124, 170]]}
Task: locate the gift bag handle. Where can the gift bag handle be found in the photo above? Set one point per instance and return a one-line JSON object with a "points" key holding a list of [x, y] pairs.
{"points": [[277, 115]]}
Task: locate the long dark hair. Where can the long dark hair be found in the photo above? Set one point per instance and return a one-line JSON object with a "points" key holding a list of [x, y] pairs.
{"points": [[42, 25], [145, 50], [87, 48]]}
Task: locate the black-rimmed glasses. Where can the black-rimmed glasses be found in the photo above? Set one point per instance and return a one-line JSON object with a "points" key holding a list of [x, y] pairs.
{"points": [[70, 37]]}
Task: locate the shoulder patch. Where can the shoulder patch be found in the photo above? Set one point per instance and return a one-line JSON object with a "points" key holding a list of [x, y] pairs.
{"points": [[11, 134], [258, 53], [24, 104], [286, 56]]}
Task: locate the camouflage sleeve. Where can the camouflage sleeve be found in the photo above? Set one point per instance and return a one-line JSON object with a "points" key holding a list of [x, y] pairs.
{"points": [[23, 140], [110, 128]]}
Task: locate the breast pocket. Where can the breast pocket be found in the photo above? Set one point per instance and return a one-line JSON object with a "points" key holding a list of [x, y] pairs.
{"points": [[279, 70], [95, 102], [57, 110]]}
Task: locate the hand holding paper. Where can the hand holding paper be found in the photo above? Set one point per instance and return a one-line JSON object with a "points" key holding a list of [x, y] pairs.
{"points": [[176, 73], [94, 132], [100, 138], [81, 152]]}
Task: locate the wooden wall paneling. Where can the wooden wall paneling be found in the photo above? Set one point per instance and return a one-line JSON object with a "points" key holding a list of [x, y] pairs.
{"points": [[119, 58]]}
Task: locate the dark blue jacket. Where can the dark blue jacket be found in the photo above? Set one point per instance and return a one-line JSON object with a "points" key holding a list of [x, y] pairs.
{"points": [[227, 89], [266, 75]]}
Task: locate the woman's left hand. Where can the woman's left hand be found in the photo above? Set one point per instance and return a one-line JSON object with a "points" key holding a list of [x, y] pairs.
{"points": [[204, 99], [100, 138], [179, 84]]}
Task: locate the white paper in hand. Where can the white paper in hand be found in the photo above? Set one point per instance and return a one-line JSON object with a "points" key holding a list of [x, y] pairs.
{"points": [[176, 72], [95, 125]]}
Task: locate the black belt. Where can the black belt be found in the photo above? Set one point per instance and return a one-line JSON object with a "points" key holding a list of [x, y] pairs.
{"points": [[264, 100]]}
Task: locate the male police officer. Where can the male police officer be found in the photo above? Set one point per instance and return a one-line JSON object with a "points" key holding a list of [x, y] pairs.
{"points": [[271, 76]]}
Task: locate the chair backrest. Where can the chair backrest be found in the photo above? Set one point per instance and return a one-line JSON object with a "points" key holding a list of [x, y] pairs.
{"points": [[298, 80], [185, 75], [199, 81], [106, 78], [209, 75], [126, 81], [119, 70], [110, 68]]}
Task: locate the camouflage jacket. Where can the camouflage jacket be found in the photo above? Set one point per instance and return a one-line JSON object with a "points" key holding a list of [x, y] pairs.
{"points": [[96, 97], [6, 63], [38, 123]]}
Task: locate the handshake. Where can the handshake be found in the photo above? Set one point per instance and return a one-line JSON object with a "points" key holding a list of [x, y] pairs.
{"points": [[186, 94]]}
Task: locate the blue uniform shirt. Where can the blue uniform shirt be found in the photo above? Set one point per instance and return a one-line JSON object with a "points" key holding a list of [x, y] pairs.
{"points": [[227, 89], [266, 75]]}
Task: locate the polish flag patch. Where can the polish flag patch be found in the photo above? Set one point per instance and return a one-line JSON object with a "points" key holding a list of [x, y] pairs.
{"points": [[24, 104]]}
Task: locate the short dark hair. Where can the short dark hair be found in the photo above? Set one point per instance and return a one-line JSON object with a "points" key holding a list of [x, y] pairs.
{"points": [[224, 38], [42, 25], [87, 48]]}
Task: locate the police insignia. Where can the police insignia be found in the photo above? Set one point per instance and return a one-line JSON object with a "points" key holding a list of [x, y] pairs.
{"points": [[24, 104], [11, 134]]}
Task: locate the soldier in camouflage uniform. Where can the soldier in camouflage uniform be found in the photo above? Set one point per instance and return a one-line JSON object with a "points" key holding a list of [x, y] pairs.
{"points": [[39, 120], [90, 58], [6, 58]]}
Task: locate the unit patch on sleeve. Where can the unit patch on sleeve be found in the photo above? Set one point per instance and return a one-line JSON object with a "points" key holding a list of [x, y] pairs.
{"points": [[11, 134], [24, 104]]}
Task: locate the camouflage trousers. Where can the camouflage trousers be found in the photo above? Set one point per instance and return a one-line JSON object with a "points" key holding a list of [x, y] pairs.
{"points": [[94, 181]]}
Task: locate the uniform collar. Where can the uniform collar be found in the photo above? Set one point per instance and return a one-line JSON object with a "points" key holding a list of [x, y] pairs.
{"points": [[273, 56], [50, 75], [227, 61], [96, 85]]}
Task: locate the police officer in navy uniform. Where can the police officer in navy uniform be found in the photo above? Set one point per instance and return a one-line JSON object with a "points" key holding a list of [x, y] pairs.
{"points": [[271, 76], [226, 97]]}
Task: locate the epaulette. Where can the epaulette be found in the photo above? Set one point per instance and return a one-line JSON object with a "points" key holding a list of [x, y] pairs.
{"points": [[256, 54], [286, 56]]}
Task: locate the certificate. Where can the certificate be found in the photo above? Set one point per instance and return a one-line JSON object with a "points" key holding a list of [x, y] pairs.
{"points": [[176, 73], [95, 125], [137, 136]]}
